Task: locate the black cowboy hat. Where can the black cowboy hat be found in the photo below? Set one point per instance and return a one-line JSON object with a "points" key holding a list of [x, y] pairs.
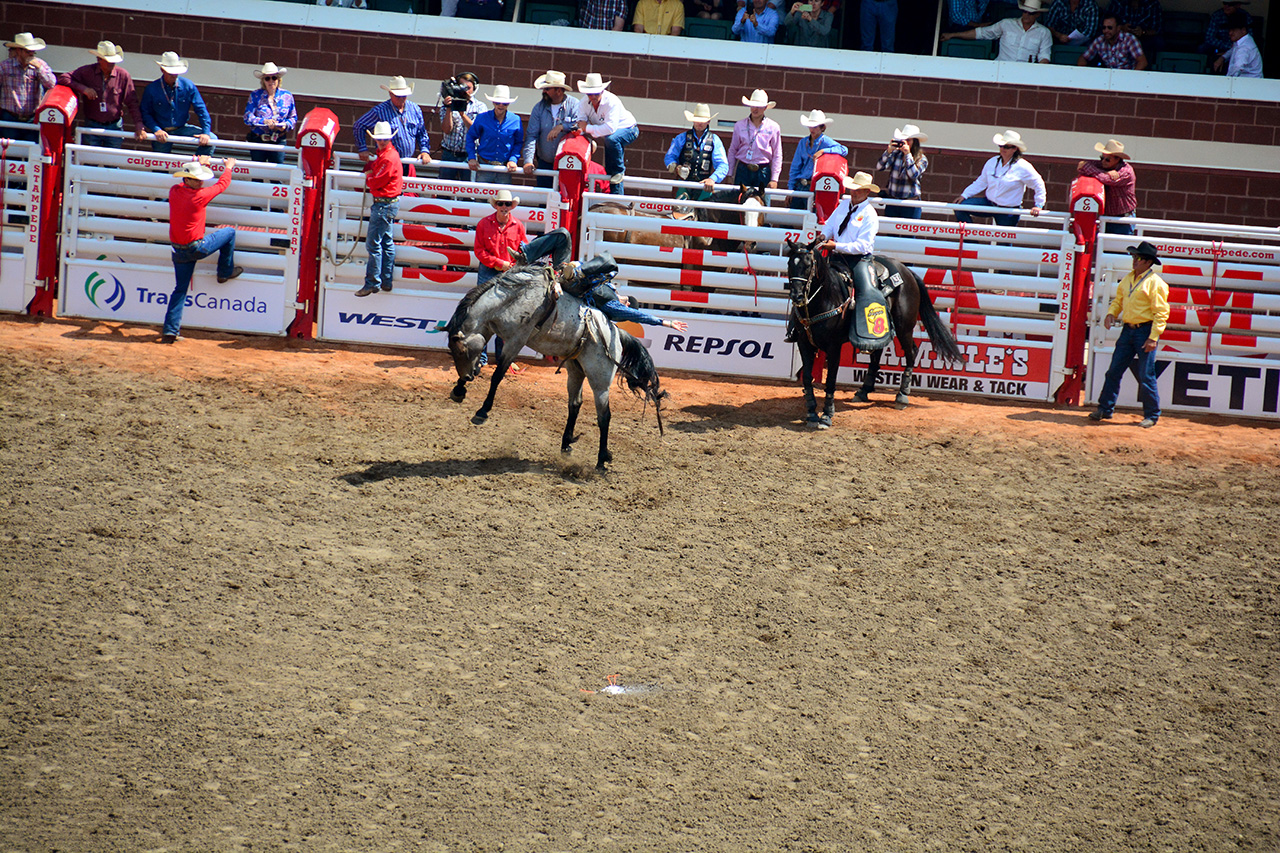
{"points": [[1146, 251]]}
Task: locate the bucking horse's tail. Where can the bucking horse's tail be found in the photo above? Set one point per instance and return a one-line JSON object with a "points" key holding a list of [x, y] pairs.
{"points": [[636, 368], [939, 335]]}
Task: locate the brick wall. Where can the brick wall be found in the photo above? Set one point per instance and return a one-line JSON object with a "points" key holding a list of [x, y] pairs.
{"points": [[1176, 192]]}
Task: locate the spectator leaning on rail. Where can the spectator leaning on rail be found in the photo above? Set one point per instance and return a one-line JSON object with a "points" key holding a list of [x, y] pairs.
{"points": [[757, 23], [1003, 182], [1073, 21], [1243, 57], [188, 240], [1021, 40], [553, 118], [271, 114], [1216, 39], [1143, 19], [800, 176], [1118, 183], [659, 17], [808, 27], [604, 118], [906, 164], [1114, 49], [496, 138], [755, 150], [105, 91], [1141, 303], [501, 240], [603, 15], [965, 14], [167, 104], [384, 179], [24, 77], [881, 16], [698, 154], [406, 120], [455, 120]]}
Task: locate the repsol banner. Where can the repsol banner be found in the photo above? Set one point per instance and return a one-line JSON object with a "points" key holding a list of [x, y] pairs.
{"points": [[104, 290], [1005, 369], [714, 344], [1243, 387], [398, 318]]}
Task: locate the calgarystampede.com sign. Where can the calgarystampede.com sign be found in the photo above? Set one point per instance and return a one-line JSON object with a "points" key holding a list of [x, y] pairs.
{"points": [[1219, 251]]}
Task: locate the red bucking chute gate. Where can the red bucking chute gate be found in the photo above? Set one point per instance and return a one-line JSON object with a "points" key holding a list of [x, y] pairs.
{"points": [[1086, 206], [316, 136], [56, 113]]}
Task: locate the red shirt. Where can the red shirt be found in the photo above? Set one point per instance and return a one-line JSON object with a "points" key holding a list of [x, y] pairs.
{"points": [[493, 240], [384, 176], [186, 209]]}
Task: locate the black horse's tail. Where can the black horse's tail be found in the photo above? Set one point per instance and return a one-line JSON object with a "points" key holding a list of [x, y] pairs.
{"points": [[636, 367], [944, 344]]}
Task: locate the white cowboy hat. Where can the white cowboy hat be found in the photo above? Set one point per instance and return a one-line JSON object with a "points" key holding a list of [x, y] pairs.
{"points": [[26, 41], [1009, 137], [909, 131], [109, 51], [501, 95], [860, 181], [398, 86], [815, 118], [194, 169], [701, 112], [171, 62], [552, 80], [593, 85], [759, 98], [270, 69], [505, 195], [382, 130], [1035, 7], [1112, 146]]}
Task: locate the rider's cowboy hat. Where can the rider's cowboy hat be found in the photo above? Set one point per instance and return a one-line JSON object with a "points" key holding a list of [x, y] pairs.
{"points": [[1146, 251], [1035, 7], [109, 51], [593, 85], [860, 181], [171, 62], [815, 118], [270, 69], [26, 41], [194, 169], [701, 112], [909, 131], [501, 95], [552, 80], [382, 130], [1009, 137], [1114, 147], [398, 87], [759, 98], [505, 195]]}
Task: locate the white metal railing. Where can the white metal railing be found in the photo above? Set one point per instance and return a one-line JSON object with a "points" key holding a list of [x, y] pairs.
{"points": [[20, 174]]}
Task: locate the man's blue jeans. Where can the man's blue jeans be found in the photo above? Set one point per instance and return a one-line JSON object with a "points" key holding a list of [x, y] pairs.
{"points": [[32, 135], [1129, 355], [381, 245], [557, 244], [464, 174], [882, 14], [222, 241], [615, 151], [1122, 227], [102, 141], [903, 212], [744, 176], [188, 130], [1006, 220]]}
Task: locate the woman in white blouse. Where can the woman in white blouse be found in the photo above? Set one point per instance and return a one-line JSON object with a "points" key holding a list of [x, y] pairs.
{"points": [[1004, 181]]}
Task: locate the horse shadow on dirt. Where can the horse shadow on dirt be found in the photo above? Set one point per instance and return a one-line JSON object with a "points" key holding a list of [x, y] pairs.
{"points": [[445, 468], [785, 411]]}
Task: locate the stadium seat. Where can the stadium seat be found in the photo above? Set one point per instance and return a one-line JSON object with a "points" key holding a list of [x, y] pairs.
{"points": [[546, 13], [705, 28], [1184, 31], [968, 49], [1182, 63], [1067, 54]]}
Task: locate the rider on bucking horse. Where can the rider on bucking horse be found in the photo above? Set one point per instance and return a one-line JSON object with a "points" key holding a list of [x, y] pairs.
{"points": [[592, 282]]}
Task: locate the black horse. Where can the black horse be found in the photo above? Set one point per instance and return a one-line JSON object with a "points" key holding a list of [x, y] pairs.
{"points": [[822, 313]]}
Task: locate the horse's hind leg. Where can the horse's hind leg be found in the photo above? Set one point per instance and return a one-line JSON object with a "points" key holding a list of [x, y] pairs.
{"points": [[574, 371], [908, 344], [600, 389], [869, 382]]}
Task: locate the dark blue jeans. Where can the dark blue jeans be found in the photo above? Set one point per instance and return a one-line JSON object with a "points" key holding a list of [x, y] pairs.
{"points": [[1129, 355], [188, 130], [222, 241], [1006, 220], [557, 245], [102, 141], [615, 151], [380, 243], [464, 174], [32, 135], [902, 212], [1121, 227], [743, 176]]}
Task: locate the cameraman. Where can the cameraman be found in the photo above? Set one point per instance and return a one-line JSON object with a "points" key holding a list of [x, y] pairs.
{"points": [[905, 163], [456, 115]]}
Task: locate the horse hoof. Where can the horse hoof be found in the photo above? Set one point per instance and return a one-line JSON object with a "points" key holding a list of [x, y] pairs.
{"points": [[457, 395], [901, 401], [566, 449], [478, 418], [812, 418], [861, 397], [824, 422]]}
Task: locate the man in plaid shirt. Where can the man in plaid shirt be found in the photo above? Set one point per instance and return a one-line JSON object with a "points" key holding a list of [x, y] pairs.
{"points": [[603, 15], [1141, 18], [24, 79], [1114, 49], [1072, 16]]}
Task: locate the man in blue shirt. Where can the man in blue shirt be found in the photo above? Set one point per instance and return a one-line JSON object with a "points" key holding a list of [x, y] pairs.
{"points": [[167, 104], [756, 23], [496, 138], [406, 120], [698, 154], [807, 150]]}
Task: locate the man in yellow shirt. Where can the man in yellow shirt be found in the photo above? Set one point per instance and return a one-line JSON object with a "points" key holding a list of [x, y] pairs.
{"points": [[659, 17], [1142, 305]]}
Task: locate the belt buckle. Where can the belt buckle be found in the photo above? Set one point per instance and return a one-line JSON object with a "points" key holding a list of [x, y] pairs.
{"points": [[753, 167]]}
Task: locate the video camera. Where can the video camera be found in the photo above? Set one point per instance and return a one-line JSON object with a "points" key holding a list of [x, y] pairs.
{"points": [[457, 90]]}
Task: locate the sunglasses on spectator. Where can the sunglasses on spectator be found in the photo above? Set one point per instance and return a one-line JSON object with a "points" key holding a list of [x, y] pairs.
{"points": [[271, 77], [504, 204], [1002, 147]]}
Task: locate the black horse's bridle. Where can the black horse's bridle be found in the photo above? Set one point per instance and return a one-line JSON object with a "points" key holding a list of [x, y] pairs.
{"points": [[806, 320]]}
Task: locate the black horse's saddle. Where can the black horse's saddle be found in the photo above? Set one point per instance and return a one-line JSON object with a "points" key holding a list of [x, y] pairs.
{"points": [[872, 326]]}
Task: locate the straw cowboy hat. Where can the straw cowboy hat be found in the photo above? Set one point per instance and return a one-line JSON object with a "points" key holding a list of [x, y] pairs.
{"points": [[1035, 7], [382, 130], [1145, 250], [109, 51], [593, 85], [26, 41], [270, 70], [1113, 147], [397, 86], [909, 131], [504, 195], [552, 80], [815, 118], [501, 95], [194, 169], [1009, 137], [860, 181], [171, 62], [759, 98], [701, 112]]}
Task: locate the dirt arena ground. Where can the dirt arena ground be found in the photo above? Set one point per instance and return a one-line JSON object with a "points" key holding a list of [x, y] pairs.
{"points": [[271, 595]]}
